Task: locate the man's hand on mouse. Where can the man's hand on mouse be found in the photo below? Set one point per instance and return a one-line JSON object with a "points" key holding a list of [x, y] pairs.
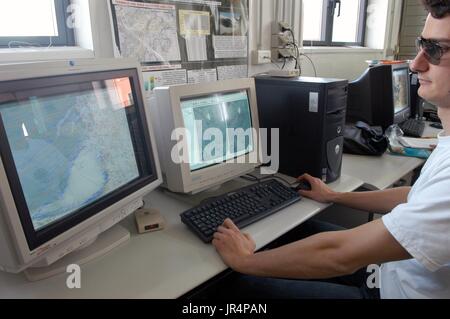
{"points": [[319, 192]]}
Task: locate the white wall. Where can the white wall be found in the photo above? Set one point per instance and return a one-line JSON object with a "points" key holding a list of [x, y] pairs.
{"points": [[339, 64]]}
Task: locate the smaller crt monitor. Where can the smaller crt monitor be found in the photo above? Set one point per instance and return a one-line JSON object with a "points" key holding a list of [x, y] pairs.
{"points": [[207, 133], [77, 156], [381, 96]]}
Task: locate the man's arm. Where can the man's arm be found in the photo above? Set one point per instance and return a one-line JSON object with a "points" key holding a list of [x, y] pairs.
{"points": [[374, 202], [322, 256]]}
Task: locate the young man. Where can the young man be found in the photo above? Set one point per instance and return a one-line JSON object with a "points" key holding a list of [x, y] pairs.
{"points": [[412, 241]]}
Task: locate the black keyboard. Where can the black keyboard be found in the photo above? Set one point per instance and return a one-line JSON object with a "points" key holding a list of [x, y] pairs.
{"points": [[244, 207], [413, 128]]}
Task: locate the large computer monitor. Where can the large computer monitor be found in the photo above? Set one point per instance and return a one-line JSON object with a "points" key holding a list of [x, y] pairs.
{"points": [[77, 157], [381, 96], [219, 122]]}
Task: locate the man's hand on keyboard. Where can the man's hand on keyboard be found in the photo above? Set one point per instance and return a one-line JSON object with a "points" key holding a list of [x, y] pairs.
{"points": [[232, 245], [319, 192]]}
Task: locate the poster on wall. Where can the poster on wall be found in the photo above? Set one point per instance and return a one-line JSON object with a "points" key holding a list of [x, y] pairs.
{"points": [[205, 39], [147, 32], [154, 79]]}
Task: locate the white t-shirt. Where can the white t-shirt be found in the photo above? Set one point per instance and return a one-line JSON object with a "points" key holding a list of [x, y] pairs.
{"points": [[422, 227]]}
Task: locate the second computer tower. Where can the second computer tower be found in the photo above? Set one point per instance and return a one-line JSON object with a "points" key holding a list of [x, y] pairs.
{"points": [[310, 114]]}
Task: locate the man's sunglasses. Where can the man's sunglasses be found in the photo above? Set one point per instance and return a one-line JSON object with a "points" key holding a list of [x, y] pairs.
{"points": [[433, 50]]}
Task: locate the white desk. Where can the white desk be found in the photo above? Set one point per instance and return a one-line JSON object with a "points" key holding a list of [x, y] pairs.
{"points": [[379, 173], [165, 264], [430, 132], [171, 263]]}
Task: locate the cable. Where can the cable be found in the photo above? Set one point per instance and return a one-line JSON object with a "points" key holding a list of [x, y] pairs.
{"points": [[301, 54], [273, 62], [24, 44], [296, 47], [296, 63], [21, 44], [250, 178], [284, 63], [51, 43], [255, 179], [293, 35], [298, 54], [259, 180], [312, 63], [279, 178]]}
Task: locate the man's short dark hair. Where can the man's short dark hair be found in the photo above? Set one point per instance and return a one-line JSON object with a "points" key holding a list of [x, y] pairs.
{"points": [[437, 8]]}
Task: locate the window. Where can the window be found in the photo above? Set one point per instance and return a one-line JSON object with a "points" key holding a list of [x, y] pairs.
{"points": [[334, 22], [31, 23]]}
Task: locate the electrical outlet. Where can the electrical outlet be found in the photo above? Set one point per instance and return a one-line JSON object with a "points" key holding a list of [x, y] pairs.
{"points": [[262, 57]]}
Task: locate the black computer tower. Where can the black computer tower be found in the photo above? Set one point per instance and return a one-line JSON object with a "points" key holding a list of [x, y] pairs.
{"points": [[310, 113]]}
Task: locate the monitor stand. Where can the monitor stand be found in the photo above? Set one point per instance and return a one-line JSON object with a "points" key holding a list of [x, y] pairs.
{"points": [[104, 243]]}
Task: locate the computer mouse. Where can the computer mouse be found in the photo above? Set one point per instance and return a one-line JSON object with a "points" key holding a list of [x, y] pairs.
{"points": [[303, 186]]}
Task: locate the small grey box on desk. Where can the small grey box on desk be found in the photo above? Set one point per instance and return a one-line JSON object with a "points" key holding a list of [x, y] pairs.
{"points": [[310, 113]]}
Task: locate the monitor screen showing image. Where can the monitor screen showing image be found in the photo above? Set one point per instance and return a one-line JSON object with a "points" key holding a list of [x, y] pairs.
{"points": [[71, 145], [400, 83], [207, 118]]}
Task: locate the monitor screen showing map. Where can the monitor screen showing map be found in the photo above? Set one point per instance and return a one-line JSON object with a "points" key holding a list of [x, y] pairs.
{"points": [[220, 127], [72, 145]]}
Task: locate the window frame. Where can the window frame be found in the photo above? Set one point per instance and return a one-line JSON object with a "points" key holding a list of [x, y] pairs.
{"points": [[328, 22], [66, 36]]}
